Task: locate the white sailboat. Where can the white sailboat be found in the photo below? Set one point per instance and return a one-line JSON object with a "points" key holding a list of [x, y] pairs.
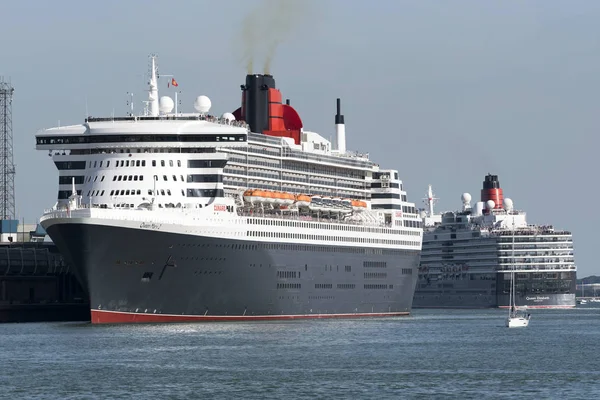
{"points": [[517, 318]]}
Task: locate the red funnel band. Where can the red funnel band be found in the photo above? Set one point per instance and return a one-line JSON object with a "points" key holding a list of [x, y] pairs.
{"points": [[495, 195]]}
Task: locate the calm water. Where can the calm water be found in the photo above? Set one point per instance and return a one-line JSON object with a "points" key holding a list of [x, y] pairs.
{"points": [[433, 354]]}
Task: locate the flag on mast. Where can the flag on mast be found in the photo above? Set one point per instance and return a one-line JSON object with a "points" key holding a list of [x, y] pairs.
{"points": [[172, 83]]}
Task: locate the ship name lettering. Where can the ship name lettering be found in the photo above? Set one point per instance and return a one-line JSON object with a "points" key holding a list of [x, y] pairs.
{"points": [[146, 225], [538, 298]]}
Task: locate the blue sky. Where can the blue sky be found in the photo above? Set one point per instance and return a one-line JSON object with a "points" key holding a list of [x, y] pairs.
{"points": [[443, 91]]}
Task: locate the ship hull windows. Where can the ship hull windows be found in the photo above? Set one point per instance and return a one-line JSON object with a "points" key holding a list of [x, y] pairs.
{"points": [[205, 178], [67, 180], [206, 163], [205, 193], [53, 140], [70, 165], [64, 194]]}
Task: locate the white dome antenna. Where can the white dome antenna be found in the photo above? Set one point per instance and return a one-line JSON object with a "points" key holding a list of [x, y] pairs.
{"points": [[508, 204], [466, 200], [490, 204], [165, 105], [228, 116], [202, 104]]}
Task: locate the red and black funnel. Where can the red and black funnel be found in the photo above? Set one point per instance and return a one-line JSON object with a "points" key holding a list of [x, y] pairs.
{"points": [[492, 191], [263, 111]]}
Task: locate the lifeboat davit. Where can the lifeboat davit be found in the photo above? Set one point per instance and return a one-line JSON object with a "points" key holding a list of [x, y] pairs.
{"points": [[337, 204], [347, 204], [328, 204], [316, 203], [302, 200], [359, 205]]}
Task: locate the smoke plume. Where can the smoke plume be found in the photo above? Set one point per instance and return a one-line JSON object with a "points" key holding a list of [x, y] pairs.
{"points": [[267, 25]]}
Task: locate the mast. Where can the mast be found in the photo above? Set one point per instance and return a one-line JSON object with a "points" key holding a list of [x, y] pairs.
{"points": [[429, 200], [153, 90], [512, 272]]}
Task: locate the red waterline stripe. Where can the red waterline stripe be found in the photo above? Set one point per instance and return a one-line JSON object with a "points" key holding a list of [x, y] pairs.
{"points": [[528, 307], [119, 317]]}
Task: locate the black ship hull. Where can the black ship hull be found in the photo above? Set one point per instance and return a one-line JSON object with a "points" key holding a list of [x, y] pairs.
{"points": [[533, 290], [143, 275]]}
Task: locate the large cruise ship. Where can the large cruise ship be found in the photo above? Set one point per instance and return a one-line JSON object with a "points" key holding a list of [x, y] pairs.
{"points": [[468, 256], [171, 216]]}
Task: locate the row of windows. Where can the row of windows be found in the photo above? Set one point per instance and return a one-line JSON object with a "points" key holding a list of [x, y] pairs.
{"points": [[375, 275], [409, 209], [323, 286], [205, 193], [67, 180], [285, 235], [330, 286], [379, 175], [288, 274], [337, 227], [385, 195], [130, 178], [289, 285], [69, 164], [64, 194], [85, 139], [412, 223], [377, 286], [346, 286], [206, 163], [213, 178], [386, 206], [321, 170], [407, 271], [391, 185], [307, 247], [375, 264], [62, 165], [313, 184]]}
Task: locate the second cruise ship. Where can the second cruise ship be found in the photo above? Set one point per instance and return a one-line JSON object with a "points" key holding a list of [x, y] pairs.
{"points": [[468, 256]]}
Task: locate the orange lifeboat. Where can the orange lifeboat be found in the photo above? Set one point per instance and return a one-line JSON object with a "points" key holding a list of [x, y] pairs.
{"points": [[254, 196], [276, 198], [359, 205], [302, 200], [287, 199], [268, 197]]}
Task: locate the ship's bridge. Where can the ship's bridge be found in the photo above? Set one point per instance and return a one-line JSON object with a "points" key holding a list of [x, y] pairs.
{"points": [[148, 132]]}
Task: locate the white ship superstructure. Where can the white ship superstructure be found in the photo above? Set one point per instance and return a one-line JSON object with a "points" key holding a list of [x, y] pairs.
{"points": [[467, 256], [254, 176]]}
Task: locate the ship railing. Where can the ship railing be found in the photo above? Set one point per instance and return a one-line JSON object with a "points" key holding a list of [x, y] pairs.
{"points": [[121, 215], [537, 268], [135, 214], [309, 218], [532, 230], [171, 117]]}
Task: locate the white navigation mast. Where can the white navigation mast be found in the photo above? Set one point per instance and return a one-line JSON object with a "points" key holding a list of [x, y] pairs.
{"points": [[153, 91], [429, 200]]}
